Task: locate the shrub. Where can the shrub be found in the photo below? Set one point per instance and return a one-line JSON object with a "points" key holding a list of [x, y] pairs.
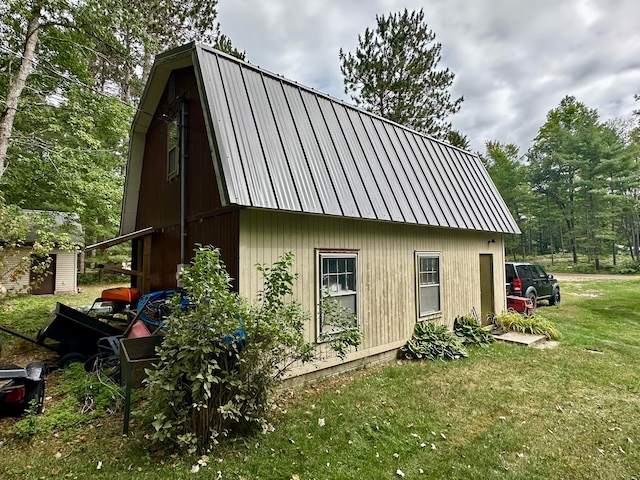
{"points": [[472, 332], [535, 324], [221, 356], [431, 342]]}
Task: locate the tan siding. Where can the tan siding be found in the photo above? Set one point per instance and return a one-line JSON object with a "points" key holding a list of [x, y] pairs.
{"points": [[22, 282], [386, 262], [66, 272]]}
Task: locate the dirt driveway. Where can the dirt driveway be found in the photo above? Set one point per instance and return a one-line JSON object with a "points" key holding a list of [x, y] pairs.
{"points": [[570, 277]]}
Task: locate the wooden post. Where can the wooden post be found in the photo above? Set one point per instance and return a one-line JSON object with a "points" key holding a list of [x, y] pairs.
{"points": [[146, 265]]}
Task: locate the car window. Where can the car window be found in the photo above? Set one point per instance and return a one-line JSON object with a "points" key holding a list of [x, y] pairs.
{"points": [[509, 272], [524, 272], [539, 271]]}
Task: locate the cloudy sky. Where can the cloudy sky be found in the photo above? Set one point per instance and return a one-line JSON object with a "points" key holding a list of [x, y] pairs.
{"points": [[514, 60]]}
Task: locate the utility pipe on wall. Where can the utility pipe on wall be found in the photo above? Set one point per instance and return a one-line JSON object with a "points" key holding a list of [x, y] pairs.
{"points": [[183, 155]]}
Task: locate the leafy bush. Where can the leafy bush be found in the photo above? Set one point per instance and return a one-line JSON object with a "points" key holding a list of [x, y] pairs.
{"points": [[627, 267], [91, 277], [342, 321], [472, 332], [221, 357], [431, 342], [535, 324]]}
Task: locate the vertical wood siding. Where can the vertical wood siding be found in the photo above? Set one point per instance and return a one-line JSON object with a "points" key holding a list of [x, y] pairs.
{"points": [[66, 271], [159, 200], [21, 282], [386, 263]]}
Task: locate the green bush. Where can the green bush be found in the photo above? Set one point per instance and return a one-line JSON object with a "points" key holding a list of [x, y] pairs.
{"points": [[93, 277], [221, 357], [472, 332], [535, 324], [431, 342], [627, 267]]}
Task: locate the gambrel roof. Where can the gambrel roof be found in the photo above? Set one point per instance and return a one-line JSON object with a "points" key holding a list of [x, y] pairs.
{"points": [[279, 145]]}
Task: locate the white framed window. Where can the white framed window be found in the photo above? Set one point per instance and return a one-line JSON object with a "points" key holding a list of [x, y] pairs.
{"points": [[337, 281], [173, 149], [428, 281]]}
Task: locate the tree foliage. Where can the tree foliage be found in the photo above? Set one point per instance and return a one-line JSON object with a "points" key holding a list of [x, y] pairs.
{"points": [[504, 164], [394, 73], [582, 166], [70, 76]]}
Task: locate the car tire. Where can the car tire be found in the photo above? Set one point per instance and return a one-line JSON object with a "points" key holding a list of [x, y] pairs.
{"points": [[534, 299], [554, 299]]}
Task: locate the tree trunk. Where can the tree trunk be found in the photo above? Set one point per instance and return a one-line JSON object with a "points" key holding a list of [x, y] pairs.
{"points": [[17, 83]]}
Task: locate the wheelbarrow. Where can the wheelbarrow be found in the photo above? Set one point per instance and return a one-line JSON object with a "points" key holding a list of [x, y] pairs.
{"points": [[73, 335]]}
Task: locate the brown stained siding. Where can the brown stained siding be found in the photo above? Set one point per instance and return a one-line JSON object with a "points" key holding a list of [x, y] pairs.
{"points": [[220, 231], [387, 300], [159, 201]]}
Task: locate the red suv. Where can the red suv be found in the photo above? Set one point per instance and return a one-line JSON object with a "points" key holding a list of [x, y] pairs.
{"points": [[530, 280]]}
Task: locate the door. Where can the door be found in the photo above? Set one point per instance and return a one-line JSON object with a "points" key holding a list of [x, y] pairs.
{"points": [[543, 285], [47, 285], [486, 287]]}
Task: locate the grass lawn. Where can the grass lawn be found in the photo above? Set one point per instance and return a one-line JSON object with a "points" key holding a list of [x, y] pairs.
{"points": [[505, 412]]}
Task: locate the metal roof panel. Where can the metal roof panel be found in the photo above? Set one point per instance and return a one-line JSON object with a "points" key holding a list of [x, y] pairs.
{"points": [[285, 146]]}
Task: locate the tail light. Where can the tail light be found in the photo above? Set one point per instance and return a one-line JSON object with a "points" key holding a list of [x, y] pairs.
{"points": [[516, 285], [14, 395]]}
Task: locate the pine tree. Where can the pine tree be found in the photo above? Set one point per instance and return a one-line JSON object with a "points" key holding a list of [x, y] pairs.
{"points": [[394, 73]]}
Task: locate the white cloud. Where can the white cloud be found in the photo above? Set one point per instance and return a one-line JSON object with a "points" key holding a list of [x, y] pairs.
{"points": [[514, 60]]}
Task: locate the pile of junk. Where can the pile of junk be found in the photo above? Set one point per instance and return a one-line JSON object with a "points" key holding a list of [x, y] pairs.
{"points": [[89, 335]]}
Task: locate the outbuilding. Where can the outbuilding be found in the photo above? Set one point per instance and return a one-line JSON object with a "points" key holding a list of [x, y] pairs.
{"points": [[60, 266], [400, 227]]}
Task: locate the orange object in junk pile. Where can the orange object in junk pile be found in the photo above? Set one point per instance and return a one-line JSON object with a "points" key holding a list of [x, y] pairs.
{"points": [[120, 294]]}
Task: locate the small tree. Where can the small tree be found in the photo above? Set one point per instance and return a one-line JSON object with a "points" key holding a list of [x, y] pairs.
{"points": [[222, 356], [394, 73]]}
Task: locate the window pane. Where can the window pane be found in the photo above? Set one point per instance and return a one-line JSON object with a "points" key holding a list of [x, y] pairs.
{"points": [[347, 301], [429, 300], [338, 279], [428, 284]]}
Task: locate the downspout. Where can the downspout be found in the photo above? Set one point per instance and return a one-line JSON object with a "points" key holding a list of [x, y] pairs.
{"points": [[183, 155]]}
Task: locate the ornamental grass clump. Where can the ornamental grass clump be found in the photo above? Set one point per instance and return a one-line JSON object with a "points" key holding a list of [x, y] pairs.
{"points": [[534, 324], [222, 356], [431, 342]]}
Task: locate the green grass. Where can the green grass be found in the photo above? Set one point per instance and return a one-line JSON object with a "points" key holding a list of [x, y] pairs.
{"points": [[505, 412]]}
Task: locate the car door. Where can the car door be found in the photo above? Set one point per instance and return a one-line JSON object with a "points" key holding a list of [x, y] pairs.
{"points": [[541, 280]]}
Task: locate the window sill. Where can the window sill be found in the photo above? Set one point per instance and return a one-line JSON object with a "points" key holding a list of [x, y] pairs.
{"points": [[326, 336], [430, 316]]}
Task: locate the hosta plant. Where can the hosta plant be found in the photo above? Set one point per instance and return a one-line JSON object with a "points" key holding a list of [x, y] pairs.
{"points": [[472, 332], [431, 342]]}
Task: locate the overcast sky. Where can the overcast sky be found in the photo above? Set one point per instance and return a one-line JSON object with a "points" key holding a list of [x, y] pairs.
{"points": [[514, 60]]}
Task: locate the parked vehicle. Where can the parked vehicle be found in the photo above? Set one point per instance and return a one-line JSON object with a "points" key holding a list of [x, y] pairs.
{"points": [[531, 281], [21, 388]]}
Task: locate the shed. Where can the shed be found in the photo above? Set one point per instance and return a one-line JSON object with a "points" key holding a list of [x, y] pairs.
{"points": [[396, 225], [61, 273]]}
